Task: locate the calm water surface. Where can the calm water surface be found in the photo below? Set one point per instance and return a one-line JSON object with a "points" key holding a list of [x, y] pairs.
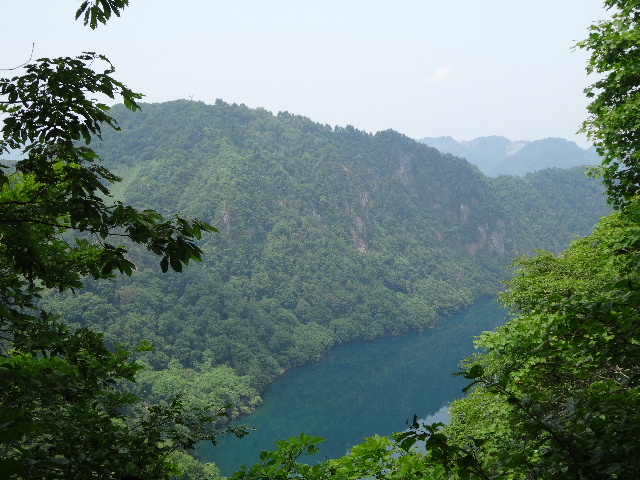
{"points": [[361, 389]]}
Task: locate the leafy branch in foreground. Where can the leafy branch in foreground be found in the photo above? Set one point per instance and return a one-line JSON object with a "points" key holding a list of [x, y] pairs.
{"points": [[613, 122], [99, 11], [62, 411]]}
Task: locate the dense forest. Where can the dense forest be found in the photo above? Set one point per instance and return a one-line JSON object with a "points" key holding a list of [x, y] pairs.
{"points": [[327, 236]]}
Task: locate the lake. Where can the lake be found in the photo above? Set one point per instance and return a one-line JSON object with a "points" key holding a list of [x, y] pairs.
{"points": [[362, 389]]}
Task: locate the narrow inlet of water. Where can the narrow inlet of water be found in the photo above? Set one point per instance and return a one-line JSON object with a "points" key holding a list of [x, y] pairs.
{"points": [[362, 389]]}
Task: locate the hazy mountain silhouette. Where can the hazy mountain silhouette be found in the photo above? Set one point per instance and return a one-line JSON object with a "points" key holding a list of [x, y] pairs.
{"points": [[496, 156]]}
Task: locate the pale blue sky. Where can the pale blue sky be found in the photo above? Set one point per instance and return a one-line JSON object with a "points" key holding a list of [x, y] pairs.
{"points": [[463, 68]]}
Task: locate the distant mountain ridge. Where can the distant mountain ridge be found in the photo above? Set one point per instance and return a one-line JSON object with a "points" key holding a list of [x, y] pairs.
{"points": [[496, 155]]}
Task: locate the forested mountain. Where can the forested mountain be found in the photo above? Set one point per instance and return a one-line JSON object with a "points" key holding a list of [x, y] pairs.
{"points": [[496, 155], [327, 235]]}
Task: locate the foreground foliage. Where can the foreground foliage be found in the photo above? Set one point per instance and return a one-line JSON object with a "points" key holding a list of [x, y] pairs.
{"points": [[62, 413], [555, 395], [612, 124]]}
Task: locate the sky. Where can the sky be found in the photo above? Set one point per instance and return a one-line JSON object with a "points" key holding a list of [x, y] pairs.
{"points": [[425, 68]]}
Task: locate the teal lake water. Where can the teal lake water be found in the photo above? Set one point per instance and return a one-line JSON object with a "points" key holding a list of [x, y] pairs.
{"points": [[361, 389]]}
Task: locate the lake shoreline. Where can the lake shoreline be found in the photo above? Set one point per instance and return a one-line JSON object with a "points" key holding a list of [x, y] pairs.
{"points": [[360, 389]]}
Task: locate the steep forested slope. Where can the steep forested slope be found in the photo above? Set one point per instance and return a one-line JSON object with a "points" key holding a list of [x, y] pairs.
{"points": [[327, 235]]}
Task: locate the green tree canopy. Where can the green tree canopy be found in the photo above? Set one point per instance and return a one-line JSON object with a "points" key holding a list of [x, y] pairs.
{"points": [[62, 414], [614, 45]]}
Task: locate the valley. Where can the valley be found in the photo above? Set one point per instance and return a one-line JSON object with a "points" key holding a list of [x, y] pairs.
{"points": [[327, 236]]}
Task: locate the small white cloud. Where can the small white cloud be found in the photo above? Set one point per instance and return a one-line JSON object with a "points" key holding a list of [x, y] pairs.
{"points": [[440, 75]]}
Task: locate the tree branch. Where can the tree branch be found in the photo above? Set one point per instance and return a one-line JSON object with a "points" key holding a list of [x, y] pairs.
{"points": [[33, 45]]}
